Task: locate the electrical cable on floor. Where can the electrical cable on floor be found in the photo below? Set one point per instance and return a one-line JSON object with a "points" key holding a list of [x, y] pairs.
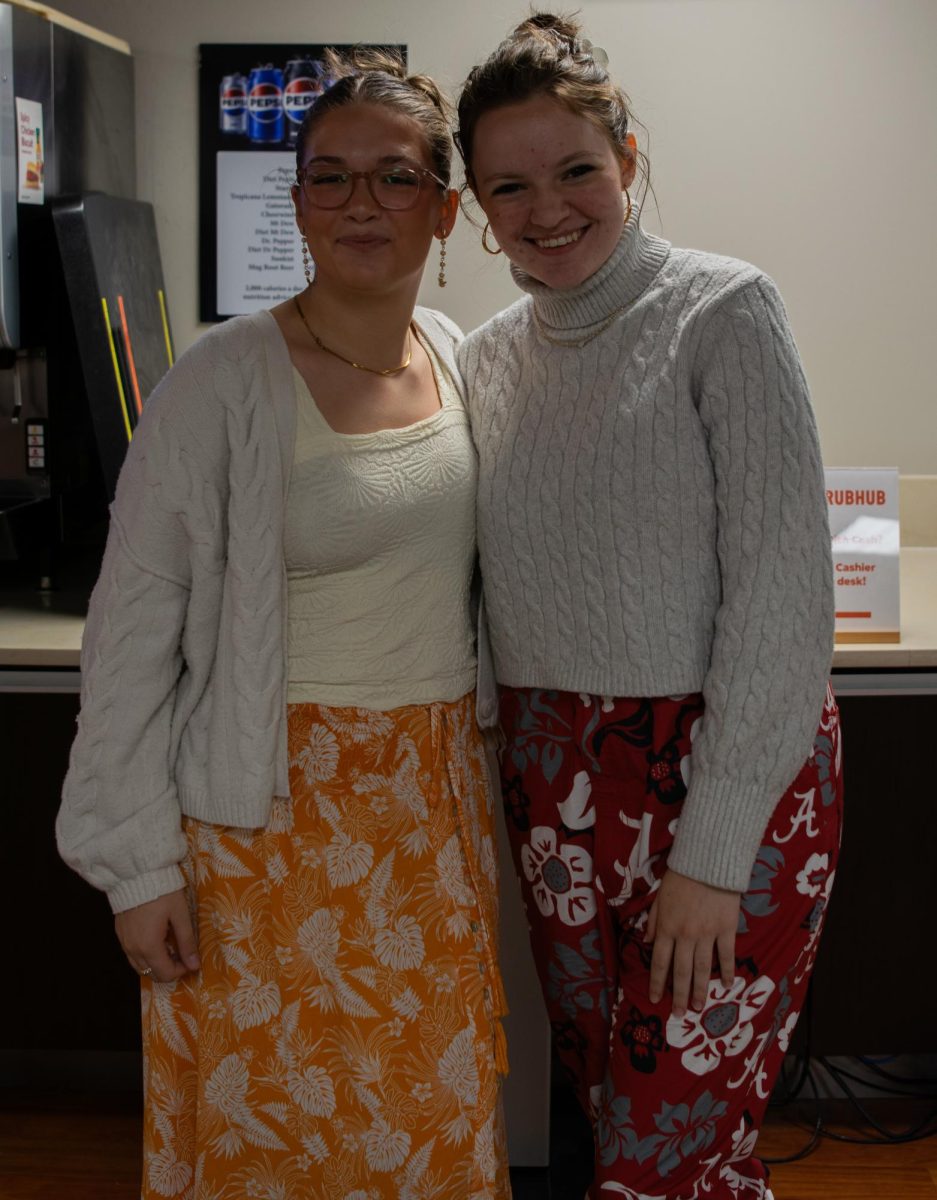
{"points": [[887, 1137], [895, 1085], [892, 1089], [790, 1093], [883, 1135], [806, 1076], [872, 1065]]}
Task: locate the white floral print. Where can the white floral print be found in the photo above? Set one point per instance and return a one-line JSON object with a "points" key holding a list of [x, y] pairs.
{"points": [[743, 1147], [342, 1030], [561, 879], [786, 1030], [384, 1148], [723, 1027], [811, 878], [400, 947], [577, 811], [346, 861], [318, 759], [254, 1002], [686, 762], [167, 1176]]}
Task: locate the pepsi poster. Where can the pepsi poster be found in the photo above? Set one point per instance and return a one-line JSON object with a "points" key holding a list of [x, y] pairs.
{"points": [[252, 100]]}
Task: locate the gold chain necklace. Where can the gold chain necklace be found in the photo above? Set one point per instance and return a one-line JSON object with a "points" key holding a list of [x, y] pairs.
{"points": [[578, 343], [358, 366]]}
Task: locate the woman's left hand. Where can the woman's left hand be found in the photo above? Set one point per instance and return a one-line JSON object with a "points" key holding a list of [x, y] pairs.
{"points": [[688, 921]]}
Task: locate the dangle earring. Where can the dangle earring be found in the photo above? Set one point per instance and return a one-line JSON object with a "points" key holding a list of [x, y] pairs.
{"points": [[628, 209], [485, 246], [441, 277], [307, 262]]}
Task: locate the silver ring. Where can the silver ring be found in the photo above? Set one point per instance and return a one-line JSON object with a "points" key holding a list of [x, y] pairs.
{"points": [[146, 971]]}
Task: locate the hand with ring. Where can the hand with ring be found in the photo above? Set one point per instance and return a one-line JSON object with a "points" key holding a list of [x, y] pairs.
{"points": [[158, 938]]}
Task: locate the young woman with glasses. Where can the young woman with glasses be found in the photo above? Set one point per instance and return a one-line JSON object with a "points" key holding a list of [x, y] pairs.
{"points": [[656, 565], [278, 777]]}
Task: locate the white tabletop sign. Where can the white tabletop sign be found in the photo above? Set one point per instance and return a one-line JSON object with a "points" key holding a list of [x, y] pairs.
{"points": [[863, 506]]}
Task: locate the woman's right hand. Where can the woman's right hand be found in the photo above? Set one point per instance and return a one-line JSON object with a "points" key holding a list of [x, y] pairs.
{"points": [[158, 937]]}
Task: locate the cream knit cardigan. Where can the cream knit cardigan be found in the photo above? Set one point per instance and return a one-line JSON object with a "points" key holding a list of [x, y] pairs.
{"points": [[183, 661]]}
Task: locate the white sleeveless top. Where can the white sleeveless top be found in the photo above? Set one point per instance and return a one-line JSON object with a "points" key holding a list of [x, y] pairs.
{"points": [[380, 548]]}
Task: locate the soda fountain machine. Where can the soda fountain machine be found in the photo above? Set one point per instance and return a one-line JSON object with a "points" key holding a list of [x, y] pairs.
{"points": [[84, 332]]}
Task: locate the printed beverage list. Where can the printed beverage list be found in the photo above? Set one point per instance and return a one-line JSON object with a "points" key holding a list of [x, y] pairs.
{"points": [[259, 257]]}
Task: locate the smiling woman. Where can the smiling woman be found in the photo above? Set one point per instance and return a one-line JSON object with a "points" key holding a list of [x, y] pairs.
{"points": [[283, 787], [551, 185], [656, 562]]}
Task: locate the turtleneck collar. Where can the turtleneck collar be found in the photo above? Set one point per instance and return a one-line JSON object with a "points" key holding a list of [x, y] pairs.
{"points": [[620, 280]]}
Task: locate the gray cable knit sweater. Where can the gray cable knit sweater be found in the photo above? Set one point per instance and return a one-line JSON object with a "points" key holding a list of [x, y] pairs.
{"points": [[652, 521]]}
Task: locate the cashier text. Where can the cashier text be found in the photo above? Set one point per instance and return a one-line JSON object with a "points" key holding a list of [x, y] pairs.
{"points": [[846, 573]]}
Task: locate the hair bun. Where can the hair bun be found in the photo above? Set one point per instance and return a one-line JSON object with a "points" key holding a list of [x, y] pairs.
{"points": [[432, 91], [544, 24], [378, 76], [359, 59], [546, 55], [362, 60]]}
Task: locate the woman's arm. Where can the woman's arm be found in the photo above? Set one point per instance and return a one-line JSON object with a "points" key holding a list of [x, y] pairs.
{"points": [[772, 637], [773, 632], [119, 825]]}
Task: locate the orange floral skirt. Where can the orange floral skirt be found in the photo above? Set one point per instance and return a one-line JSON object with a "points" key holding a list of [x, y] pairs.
{"points": [[342, 1039]]}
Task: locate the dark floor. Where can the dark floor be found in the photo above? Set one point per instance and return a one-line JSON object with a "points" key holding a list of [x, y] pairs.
{"points": [[60, 1145], [531, 1183], [570, 1170], [86, 1146]]}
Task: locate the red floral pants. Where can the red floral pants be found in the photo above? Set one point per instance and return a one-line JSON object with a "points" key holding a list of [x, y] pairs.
{"points": [[593, 788]]}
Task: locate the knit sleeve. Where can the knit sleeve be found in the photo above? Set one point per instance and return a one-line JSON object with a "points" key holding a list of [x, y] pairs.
{"points": [[119, 825], [471, 359], [773, 633], [446, 326]]}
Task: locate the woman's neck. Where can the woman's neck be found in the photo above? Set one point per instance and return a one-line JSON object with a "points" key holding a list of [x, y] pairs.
{"points": [[361, 325], [617, 283]]}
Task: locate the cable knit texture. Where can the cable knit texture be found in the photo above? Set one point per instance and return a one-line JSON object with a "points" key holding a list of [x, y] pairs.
{"points": [[652, 522], [183, 660]]}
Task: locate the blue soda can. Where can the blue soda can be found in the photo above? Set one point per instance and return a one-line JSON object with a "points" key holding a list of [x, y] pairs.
{"points": [[265, 105], [303, 87]]}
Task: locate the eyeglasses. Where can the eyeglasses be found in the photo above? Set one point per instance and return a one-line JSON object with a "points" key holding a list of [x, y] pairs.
{"points": [[395, 188]]}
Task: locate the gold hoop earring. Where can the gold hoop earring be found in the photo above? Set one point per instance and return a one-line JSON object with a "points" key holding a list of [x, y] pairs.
{"points": [[307, 261], [628, 209], [441, 277], [485, 246]]}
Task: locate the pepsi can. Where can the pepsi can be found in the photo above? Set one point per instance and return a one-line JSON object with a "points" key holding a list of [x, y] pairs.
{"points": [[265, 105], [233, 104], [303, 86]]}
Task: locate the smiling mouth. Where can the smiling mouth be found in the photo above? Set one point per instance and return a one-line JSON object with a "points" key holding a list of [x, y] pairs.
{"points": [[554, 243]]}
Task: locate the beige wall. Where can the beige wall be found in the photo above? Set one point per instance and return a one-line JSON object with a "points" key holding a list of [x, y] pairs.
{"points": [[796, 133]]}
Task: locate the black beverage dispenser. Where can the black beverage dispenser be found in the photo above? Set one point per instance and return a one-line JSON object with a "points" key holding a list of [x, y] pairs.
{"points": [[84, 331]]}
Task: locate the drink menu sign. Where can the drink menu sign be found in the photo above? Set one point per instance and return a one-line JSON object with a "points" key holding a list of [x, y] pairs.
{"points": [[252, 101], [863, 508]]}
